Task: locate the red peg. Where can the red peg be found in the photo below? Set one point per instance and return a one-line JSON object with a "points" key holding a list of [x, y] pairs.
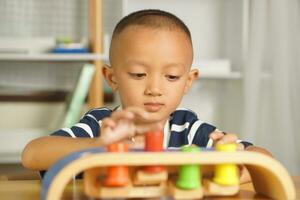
{"points": [[154, 142], [117, 176]]}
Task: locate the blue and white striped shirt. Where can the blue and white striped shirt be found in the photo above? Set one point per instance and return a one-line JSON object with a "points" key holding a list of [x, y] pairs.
{"points": [[183, 127]]}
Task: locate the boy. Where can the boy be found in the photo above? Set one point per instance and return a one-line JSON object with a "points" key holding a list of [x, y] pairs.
{"points": [[150, 55]]}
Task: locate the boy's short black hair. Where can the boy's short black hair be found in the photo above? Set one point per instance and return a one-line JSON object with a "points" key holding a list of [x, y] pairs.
{"points": [[153, 18]]}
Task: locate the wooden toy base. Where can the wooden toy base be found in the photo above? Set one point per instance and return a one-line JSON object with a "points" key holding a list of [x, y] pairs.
{"points": [[214, 189], [131, 191], [269, 177], [143, 178], [184, 194], [166, 188]]}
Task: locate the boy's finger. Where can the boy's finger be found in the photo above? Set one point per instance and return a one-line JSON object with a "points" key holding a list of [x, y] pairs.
{"points": [[141, 116], [122, 131], [228, 138], [108, 122], [240, 146], [216, 135]]}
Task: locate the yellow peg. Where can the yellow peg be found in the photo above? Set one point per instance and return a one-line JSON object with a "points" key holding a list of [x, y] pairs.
{"points": [[226, 174]]}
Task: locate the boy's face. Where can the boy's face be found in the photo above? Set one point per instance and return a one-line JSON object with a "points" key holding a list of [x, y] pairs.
{"points": [[151, 69]]}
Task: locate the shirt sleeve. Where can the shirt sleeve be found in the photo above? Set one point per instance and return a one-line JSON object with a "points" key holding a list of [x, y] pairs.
{"points": [[246, 144], [200, 132], [88, 126], [186, 128]]}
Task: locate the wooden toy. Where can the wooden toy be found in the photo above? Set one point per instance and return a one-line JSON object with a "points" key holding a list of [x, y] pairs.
{"points": [[269, 177]]}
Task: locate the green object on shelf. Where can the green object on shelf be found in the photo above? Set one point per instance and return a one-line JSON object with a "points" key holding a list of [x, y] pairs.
{"points": [[78, 98], [189, 175], [63, 40]]}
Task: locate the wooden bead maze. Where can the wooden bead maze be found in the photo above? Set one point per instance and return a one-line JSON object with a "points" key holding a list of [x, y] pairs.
{"points": [[172, 173]]}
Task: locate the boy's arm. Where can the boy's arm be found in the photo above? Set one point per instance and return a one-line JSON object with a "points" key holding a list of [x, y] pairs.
{"points": [[42, 152], [259, 150]]}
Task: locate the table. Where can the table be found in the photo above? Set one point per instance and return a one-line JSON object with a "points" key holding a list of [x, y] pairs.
{"points": [[30, 190]]}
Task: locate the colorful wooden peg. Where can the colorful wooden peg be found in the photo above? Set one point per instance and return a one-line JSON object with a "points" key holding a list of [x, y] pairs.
{"points": [[226, 174], [189, 176], [117, 176], [154, 142]]}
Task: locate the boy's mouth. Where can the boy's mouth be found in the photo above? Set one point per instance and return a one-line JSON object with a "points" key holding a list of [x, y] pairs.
{"points": [[153, 107]]}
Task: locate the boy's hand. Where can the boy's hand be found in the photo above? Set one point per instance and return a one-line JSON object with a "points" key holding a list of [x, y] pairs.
{"points": [[220, 137], [126, 124]]}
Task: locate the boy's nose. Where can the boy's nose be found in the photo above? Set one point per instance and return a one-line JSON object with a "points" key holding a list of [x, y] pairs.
{"points": [[153, 88], [153, 92]]}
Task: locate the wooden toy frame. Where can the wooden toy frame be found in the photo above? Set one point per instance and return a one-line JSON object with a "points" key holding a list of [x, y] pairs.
{"points": [[269, 177]]}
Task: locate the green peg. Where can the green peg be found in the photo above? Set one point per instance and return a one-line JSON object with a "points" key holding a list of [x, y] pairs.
{"points": [[189, 175]]}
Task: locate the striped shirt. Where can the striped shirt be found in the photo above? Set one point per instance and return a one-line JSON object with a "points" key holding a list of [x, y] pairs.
{"points": [[183, 127]]}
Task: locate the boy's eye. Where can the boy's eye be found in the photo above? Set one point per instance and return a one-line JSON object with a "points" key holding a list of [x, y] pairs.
{"points": [[137, 75], [172, 77]]}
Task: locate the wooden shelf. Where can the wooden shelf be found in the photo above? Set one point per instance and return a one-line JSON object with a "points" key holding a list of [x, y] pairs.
{"points": [[42, 96], [52, 57]]}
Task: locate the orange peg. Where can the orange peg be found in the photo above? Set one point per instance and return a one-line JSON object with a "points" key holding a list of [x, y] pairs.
{"points": [[117, 176]]}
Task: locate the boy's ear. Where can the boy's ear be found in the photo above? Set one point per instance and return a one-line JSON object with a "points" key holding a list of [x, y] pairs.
{"points": [[193, 75], [108, 74]]}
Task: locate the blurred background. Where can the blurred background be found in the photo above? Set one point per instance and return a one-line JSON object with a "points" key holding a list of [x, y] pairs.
{"points": [[247, 52]]}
